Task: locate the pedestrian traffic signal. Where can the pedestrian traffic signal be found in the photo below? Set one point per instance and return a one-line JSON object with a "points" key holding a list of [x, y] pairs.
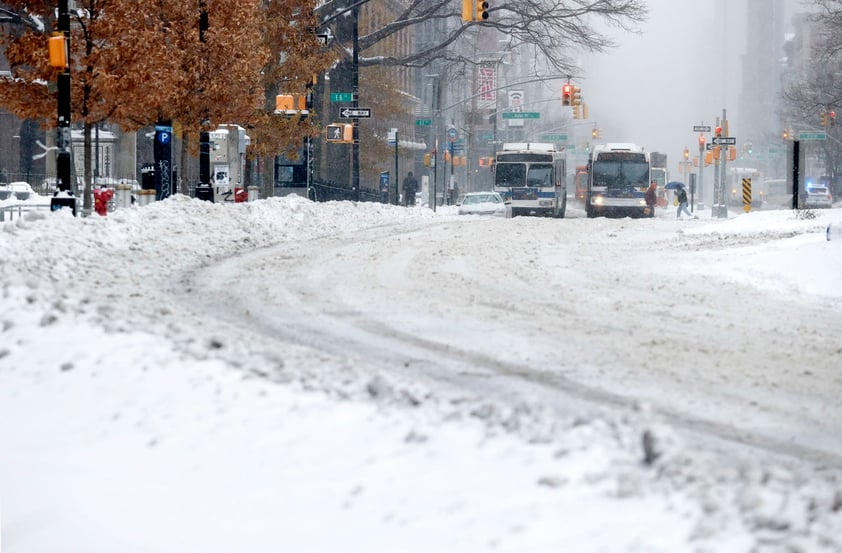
{"points": [[57, 47], [576, 97], [343, 133], [482, 10], [566, 94]]}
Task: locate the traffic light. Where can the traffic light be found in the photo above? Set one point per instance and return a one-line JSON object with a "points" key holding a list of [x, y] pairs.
{"points": [[701, 142], [576, 112], [584, 111], [718, 131], [57, 47], [339, 132], [825, 118], [482, 10], [593, 132], [686, 154], [576, 97], [566, 94], [831, 118]]}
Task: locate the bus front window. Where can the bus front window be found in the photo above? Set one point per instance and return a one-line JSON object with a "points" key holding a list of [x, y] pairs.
{"points": [[540, 175], [510, 174]]}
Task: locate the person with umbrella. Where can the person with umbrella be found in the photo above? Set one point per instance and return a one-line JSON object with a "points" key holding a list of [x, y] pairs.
{"points": [[681, 197]]}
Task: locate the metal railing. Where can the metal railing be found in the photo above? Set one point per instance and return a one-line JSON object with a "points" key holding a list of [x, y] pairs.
{"points": [[8, 212]]}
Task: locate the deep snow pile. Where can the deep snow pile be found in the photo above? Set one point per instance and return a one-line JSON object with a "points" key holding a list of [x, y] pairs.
{"points": [[130, 421]]}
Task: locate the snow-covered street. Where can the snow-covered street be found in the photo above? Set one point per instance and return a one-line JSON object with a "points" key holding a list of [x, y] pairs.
{"points": [[284, 375]]}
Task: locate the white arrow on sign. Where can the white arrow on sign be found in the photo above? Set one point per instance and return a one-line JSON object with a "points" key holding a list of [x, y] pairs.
{"points": [[355, 112], [724, 140]]}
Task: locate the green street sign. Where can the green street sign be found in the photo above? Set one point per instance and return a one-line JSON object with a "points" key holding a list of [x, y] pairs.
{"points": [[521, 115], [423, 122], [812, 136], [341, 97], [556, 137]]}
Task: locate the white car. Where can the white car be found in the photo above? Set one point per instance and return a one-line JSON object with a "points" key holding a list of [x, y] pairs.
{"points": [[484, 203], [19, 190], [818, 196]]}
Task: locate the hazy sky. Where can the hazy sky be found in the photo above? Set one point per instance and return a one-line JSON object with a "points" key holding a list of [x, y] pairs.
{"points": [[681, 70]]}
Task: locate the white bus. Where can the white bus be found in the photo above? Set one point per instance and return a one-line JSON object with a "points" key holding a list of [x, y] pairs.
{"points": [[618, 176], [532, 176]]}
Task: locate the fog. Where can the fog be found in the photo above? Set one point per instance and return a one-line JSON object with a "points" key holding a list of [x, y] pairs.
{"points": [[681, 70]]}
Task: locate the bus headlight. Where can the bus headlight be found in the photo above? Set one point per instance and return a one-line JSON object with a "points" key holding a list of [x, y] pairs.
{"points": [[597, 200], [545, 203]]}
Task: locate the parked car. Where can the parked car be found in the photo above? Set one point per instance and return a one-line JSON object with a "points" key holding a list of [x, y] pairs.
{"points": [[19, 190], [484, 203], [818, 195]]}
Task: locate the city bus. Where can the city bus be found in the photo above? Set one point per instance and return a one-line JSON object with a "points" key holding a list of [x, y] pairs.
{"points": [[618, 175], [532, 176]]}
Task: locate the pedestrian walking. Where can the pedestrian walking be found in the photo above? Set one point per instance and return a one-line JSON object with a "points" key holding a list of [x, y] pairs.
{"points": [[410, 187], [681, 197]]}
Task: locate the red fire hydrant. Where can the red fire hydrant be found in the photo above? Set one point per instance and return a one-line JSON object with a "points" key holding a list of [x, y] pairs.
{"points": [[102, 196]]}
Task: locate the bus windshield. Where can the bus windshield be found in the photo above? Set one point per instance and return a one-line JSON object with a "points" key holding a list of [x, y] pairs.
{"points": [[510, 174], [620, 174], [540, 175]]}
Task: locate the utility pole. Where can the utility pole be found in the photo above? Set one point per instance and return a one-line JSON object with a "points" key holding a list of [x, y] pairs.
{"points": [[355, 102]]}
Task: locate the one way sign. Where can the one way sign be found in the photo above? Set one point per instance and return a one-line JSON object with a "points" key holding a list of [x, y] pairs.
{"points": [[355, 112]]}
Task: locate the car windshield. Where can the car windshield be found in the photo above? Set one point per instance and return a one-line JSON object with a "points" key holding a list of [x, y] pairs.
{"points": [[817, 189], [480, 199]]}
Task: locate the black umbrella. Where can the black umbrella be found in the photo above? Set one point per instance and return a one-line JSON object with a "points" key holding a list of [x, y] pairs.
{"points": [[674, 185]]}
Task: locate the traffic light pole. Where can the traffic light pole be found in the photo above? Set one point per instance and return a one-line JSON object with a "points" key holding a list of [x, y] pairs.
{"points": [[63, 142], [355, 102]]}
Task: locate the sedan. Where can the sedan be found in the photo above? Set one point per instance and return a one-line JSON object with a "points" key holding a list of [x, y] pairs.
{"points": [[818, 196], [484, 203], [19, 190]]}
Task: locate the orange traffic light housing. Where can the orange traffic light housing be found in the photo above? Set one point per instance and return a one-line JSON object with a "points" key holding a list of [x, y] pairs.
{"points": [[482, 10], [57, 45]]}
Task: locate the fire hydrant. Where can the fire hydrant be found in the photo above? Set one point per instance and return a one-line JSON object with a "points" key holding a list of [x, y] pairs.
{"points": [[102, 196]]}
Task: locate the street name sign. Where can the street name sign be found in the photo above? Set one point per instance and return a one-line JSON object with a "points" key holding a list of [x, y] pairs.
{"points": [[724, 140], [423, 122], [555, 137], [341, 97], [521, 115], [701, 128], [355, 112], [812, 136]]}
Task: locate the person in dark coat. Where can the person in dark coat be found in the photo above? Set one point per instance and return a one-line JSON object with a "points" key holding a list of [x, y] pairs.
{"points": [[681, 196], [410, 187], [651, 198]]}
